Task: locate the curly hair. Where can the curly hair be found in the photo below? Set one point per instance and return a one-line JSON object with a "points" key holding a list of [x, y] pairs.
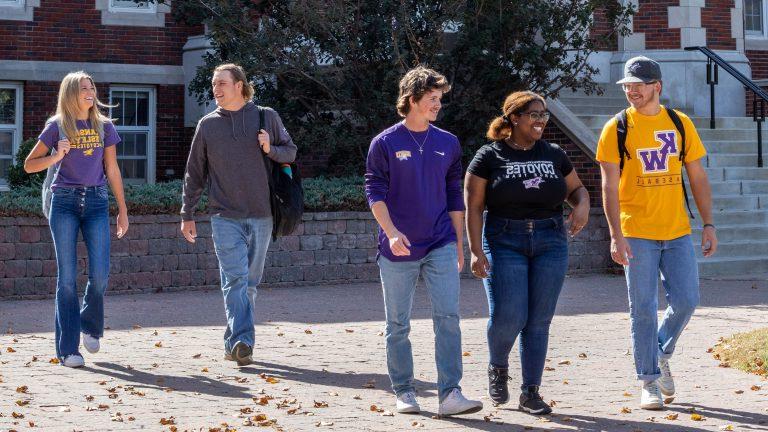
{"points": [[417, 82]]}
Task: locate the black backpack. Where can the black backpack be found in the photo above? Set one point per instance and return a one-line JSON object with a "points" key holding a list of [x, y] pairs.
{"points": [[286, 196], [621, 132]]}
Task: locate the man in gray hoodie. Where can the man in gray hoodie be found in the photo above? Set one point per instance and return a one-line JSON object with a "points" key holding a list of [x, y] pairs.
{"points": [[227, 156]]}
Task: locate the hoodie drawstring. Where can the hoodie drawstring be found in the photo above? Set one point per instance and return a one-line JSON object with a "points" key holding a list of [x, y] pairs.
{"points": [[232, 121]]}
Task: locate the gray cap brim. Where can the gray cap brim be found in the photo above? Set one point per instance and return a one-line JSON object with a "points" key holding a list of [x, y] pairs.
{"points": [[630, 80]]}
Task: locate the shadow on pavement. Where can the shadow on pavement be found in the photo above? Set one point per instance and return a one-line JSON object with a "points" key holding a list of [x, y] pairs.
{"points": [[186, 384]]}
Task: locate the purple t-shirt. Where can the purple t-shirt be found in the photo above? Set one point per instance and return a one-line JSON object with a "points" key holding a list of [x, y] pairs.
{"points": [[84, 164], [418, 187]]}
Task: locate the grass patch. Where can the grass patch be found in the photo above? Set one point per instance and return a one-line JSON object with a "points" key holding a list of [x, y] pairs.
{"points": [[744, 351]]}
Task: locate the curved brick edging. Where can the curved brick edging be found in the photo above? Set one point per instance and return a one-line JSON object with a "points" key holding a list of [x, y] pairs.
{"points": [[328, 247]]}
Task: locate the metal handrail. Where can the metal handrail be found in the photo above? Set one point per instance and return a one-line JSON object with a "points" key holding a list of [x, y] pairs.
{"points": [[714, 62]]}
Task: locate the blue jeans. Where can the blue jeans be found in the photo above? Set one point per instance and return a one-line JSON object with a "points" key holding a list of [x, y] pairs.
{"points": [[241, 247], [398, 280], [528, 259], [676, 261], [74, 210]]}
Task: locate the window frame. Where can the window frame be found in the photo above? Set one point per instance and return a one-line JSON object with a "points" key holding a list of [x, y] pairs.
{"points": [[152, 9], [151, 128], [14, 4], [753, 34], [17, 127]]}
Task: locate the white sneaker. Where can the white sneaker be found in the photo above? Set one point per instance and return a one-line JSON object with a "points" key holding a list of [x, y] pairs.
{"points": [[665, 381], [73, 361], [91, 343], [456, 404], [406, 403], [650, 397]]}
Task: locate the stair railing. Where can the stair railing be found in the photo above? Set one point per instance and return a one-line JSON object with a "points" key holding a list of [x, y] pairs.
{"points": [[714, 62]]}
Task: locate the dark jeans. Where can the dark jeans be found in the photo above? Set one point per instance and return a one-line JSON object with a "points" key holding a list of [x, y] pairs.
{"points": [[75, 210], [528, 259]]}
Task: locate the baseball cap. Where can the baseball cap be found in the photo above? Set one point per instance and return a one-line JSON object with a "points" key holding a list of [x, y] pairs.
{"points": [[640, 69]]}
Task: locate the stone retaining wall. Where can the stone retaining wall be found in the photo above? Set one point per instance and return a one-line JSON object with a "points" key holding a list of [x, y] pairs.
{"points": [[328, 247]]}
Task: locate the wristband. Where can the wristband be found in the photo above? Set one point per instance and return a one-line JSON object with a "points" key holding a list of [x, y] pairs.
{"points": [[706, 225]]}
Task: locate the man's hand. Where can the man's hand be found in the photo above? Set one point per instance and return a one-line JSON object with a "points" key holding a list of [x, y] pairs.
{"points": [[399, 244], [708, 241], [620, 250], [189, 230], [264, 141]]}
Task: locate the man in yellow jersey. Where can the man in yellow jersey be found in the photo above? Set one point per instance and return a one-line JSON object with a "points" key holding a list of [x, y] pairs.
{"points": [[644, 202]]}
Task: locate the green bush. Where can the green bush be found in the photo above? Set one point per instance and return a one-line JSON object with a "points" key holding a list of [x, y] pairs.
{"points": [[320, 194], [16, 175]]}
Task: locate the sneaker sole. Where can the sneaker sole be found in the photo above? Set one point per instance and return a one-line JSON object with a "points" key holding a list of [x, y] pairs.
{"points": [[530, 411], [409, 411], [495, 402], [242, 354], [467, 411], [653, 407]]}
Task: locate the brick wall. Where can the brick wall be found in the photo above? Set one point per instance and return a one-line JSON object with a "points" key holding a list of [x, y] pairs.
{"points": [[335, 247], [71, 30], [716, 18], [602, 27], [587, 169], [173, 139], [653, 20]]}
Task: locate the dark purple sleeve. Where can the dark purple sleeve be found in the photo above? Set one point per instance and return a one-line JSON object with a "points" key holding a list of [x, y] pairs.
{"points": [[110, 135], [453, 182], [50, 135], [376, 173]]}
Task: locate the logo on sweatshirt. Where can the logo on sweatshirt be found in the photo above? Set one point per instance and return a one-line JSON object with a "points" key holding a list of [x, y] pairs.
{"points": [[403, 155], [656, 160], [533, 183]]}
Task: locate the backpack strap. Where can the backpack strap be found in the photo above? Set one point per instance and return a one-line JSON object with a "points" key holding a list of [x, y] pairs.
{"points": [[621, 135], [681, 129]]}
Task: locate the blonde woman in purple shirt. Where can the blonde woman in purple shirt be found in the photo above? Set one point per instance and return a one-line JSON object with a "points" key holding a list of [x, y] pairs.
{"points": [[84, 159], [413, 185]]}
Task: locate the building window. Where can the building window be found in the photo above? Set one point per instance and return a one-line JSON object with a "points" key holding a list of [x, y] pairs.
{"points": [[10, 127], [754, 17], [135, 122], [132, 6]]}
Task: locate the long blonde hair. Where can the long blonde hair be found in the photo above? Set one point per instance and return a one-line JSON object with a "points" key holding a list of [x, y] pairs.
{"points": [[68, 108]]}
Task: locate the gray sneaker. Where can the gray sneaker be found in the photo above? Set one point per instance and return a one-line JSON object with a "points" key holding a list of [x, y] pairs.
{"points": [[456, 404], [91, 343], [666, 382], [73, 361]]}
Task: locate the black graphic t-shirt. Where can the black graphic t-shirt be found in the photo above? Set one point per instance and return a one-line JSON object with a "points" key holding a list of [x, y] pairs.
{"points": [[523, 184]]}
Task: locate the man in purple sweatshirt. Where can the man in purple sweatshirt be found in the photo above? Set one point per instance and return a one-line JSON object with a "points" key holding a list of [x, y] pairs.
{"points": [[227, 157], [413, 185]]}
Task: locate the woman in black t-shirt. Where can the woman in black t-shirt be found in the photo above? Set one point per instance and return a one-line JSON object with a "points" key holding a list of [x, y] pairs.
{"points": [[521, 251]]}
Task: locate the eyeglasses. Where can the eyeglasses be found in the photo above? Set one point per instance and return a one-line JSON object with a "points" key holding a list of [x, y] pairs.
{"points": [[636, 86], [537, 115]]}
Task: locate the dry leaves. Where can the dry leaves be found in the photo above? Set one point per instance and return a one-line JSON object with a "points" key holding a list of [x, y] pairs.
{"points": [[158, 344], [22, 402], [168, 421], [321, 404], [10, 350], [755, 388], [308, 331], [696, 417], [196, 356], [22, 389], [582, 355], [466, 354], [625, 410], [349, 330], [672, 416], [726, 428], [564, 362]]}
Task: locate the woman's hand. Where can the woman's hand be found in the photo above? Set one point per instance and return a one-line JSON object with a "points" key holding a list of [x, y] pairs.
{"points": [[578, 218], [480, 266], [122, 223]]}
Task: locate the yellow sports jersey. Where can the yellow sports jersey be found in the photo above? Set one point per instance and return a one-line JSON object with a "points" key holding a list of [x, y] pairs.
{"points": [[651, 198]]}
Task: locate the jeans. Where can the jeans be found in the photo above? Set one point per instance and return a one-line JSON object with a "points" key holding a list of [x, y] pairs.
{"points": [[74, 210], [441, 276], [528, 260], [241, 247], [676, 260]]}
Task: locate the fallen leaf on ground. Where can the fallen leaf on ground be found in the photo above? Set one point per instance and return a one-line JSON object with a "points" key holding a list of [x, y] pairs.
{"points": [[17, 415], [196, 356], [726, 428], [168, 421], [356, 397], [388, 414], [308, 331], [582, 355], [204, 370], [466, 353], [321, 404], [158, 344], [324, 423], [22, 389], [10, 350], [374, 408], [739, 391], [349, 330], [625, 410], [53, 361], [22, 402], [246, 410], [333, 394], [696, 417], [672, 416], [103, 407], [755, 388], [552, 403], [627, 394], [154, 333], [549, 368], [564, 362]]}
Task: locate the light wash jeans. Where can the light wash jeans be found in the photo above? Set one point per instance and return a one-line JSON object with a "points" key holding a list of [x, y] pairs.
{"points": [[241, 247], [676, 261], [74, 210], [528, 259], [398, 280]]}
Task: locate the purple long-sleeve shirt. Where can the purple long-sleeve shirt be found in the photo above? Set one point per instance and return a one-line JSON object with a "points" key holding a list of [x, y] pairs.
{"points": [[418, 188]]}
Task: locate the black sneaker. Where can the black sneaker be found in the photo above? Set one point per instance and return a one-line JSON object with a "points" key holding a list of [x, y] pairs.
{"points": [[241, 353], [531, 402], [497, 384]]}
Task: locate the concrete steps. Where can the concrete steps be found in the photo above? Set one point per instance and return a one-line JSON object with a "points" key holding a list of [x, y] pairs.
{"points": [[739, 187]]}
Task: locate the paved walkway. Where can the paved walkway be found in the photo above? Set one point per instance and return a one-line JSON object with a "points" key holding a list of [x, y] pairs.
{"points": [[320, 365]]}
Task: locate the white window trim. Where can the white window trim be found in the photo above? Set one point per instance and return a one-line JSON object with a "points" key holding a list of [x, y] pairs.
{"points": [[152, 128], [751, 34], [150, 10], [13, 4], [17, 127]]}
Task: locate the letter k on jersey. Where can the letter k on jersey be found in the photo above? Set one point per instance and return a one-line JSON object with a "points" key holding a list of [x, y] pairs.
{"points": [[656, 160]]}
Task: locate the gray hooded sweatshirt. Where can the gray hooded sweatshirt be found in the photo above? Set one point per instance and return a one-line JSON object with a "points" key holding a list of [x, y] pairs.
{"points": [[226, 157]]}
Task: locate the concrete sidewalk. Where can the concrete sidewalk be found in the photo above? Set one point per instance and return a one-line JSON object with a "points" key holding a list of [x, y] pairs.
{"points": [[320, 365]]}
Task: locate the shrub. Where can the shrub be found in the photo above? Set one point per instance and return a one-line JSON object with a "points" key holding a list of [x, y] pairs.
{"points": [[16, 175]]}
